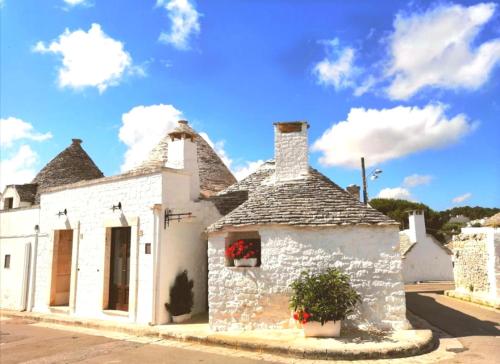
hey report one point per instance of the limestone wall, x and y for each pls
(257, 298)
(475, 258)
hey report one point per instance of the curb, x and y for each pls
(426, 341)
(471, 298)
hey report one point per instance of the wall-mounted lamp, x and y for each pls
(63, 212)
(117, 207)
(37, 229)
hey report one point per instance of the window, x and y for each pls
(6, 262)
(249, 247)
(8, 203)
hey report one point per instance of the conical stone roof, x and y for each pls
(72, 165)
(214, 175)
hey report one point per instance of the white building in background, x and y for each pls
(300, 220)
(424, 258)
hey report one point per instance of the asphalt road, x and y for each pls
(477, 328)
(24, 342)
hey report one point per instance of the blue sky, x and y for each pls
(412, 86)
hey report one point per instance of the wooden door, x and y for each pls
(119, 268)
(61, 268)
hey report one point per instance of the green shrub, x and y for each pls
(181, 295)
(323, 297)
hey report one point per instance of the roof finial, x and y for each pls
(76, 141)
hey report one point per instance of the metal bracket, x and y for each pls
(116, 207)
(169, 216)
(64, 212)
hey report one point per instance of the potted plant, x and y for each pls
(321, 301)
(181, 298)
(243, 253)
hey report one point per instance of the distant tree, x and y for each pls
(472, 213)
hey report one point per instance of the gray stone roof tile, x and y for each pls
(311, 201)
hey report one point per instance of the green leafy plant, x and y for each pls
(181, 295)
(323, 297)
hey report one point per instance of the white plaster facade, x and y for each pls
(291, 152)
(426, 259)
(17, 240)
(145, 197)
(257, 298)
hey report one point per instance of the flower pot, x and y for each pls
(181, 318)
(248, 262)
(315, 329)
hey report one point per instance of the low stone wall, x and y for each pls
(470, 256)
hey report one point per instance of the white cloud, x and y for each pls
(19, 168)
(142, 128)
(246, 169)
(13, 129)
(219, 149)
(396, 193)
(462, 198)
(417, 180)
(75, 2)
(337, 68)
(437, 48)
(385, 134)
(90, 59)
(185, 22)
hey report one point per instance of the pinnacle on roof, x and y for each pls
(183, 130)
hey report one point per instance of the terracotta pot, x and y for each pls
(328, 329)
(248, 262)
(181, 318)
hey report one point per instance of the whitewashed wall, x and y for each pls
(426, 261)
(184, 243)
(254, 298)
(89, 208)
(16, 230)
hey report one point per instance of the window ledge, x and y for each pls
(115, 313)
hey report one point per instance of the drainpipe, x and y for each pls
(156, 251)
(31, 295)
(25, 279)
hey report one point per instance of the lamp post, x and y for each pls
(373, 176)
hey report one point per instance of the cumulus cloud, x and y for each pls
(185, 22)
(90, 59)
(142, 128)
(76, 2)
(438, 48)
(18, 168)
(13, 129)
(462, 198)
(247, 168)
(416, 180)
(386, 134)
(396, 193)
(337, 68)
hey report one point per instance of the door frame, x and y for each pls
(133, 223)
(64, 223)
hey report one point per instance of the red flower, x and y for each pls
(240, 249)
(296, 316)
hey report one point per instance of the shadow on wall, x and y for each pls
(454, 322)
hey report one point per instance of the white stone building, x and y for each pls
(424, 258)
(110, 247)
(302, 221)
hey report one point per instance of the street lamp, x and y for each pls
(373, 176)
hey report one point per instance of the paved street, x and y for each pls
(476, 327)
(23, 341)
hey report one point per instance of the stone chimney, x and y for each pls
(291, 150)
(417, 226)
(354, 190)
(182, 154)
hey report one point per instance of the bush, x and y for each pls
(323, 297)
(181, 295)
